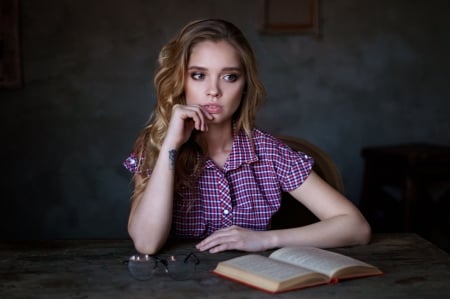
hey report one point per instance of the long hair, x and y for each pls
(169, 83)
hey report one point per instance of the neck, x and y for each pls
(219, 138)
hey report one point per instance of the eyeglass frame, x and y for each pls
(164, 261)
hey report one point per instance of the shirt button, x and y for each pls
(226, 212)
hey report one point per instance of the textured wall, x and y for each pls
(378, 75)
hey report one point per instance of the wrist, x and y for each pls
(169, 154)
(169, 145)
(271, 239)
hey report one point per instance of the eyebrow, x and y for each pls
(236, 69)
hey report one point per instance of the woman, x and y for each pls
(202, 170)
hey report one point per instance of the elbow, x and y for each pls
(145, 247)
(363, 233)
(145, 244)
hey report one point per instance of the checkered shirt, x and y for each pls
(245, 192)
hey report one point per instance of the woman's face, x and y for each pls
(215, 80)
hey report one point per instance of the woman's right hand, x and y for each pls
(186, 118)
(151, 212)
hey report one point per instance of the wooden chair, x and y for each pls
(292, 213)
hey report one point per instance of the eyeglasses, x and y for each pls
(178, 267)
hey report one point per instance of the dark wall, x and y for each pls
(379, 74)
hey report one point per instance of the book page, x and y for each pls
(316, 259)
(269, 268)
(267, 274)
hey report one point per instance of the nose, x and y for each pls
(213, 92)
(213, 89)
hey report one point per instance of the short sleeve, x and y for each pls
(293, 167)
(132, 163)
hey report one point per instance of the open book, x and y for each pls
(293, 268)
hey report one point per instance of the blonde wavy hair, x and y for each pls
(169, 84)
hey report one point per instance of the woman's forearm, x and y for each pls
(151, 213)
(338, 231)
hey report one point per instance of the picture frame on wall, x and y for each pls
(10, 55)
(291, 16)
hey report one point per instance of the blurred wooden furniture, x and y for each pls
(407, 188)
(292, 213)
(413, 267)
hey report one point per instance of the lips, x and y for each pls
(213, 109)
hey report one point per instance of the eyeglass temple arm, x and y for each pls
(191, 254)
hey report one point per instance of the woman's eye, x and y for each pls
(231, 77)
(197, 76)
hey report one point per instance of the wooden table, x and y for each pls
(414, 268)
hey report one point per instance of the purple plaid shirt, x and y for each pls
(245, 192)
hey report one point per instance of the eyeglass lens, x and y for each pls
(142, 266)
(181, 267)
(178, 267)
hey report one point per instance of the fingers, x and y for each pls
(221, 240)
(185, 119)
(195, 113)
(236, 238)
(216, 245)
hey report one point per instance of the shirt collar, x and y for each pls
(242, 152)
